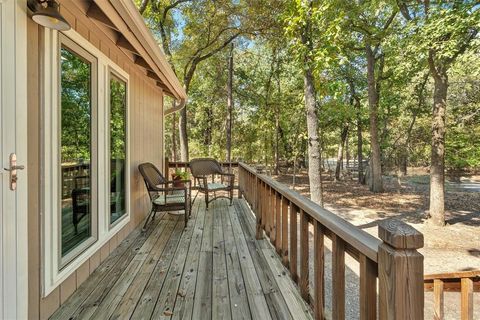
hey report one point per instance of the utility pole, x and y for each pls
(229, 104)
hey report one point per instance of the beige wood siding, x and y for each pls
(146, 144)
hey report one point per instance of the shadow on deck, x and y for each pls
(214, 269)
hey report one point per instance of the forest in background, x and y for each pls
(287, 83)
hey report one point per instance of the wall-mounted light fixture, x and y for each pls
(47, 13)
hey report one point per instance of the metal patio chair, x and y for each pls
(163, 196)
(203, 168)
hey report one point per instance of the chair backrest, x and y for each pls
(151, 175)
(204, 167)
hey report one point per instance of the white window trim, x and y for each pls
(53, 273)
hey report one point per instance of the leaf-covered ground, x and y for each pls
(450, 248)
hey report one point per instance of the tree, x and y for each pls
(303, 29)
(444, 32)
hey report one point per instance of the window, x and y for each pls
(85, 154)
(77, 163)
(118, 147)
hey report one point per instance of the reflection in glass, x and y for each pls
(75, 141)
(118, 151)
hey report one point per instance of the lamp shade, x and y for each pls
(50, 16)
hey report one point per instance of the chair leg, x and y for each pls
(231, 197)
(206, 200)
(148, 218)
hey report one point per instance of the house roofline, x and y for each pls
(132, 26)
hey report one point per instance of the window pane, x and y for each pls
(75, 141)
(118, 151)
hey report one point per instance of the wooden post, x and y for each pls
(166, 165)
(400, 271)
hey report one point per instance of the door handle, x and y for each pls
(13, 171)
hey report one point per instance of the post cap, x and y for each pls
(400, 235)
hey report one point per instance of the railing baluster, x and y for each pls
(260, 217)
(278, 223)
(368, 288)
(467, 298)
(438, 299)
(285, 205)
(268, 224)
(264, 205)
(319, 265)
(338, 278)
(273, 221)
(271, 212)
(304, 255)
(293, 242)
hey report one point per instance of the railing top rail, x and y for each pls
(453, 275)
(183, 164)
(358, 239)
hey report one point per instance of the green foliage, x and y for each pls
(270, 58)
(76, 108)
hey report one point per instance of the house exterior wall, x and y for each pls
(146, 144)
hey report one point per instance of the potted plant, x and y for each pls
(178, 176)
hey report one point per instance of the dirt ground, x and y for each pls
(455, 247)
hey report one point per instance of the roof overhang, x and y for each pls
(134, 36)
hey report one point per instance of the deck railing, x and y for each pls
(393, 261)
(465, 282)
(171, 166)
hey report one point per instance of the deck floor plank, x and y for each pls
(213, 269)
(185, 298)
(238, 295)
(221, 306)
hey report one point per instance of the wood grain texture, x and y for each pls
(399, 235)
(467, 299)
(285, 209)
(338, 278)
(319, 270)
(278, 223)
(356, 238)
(293, 242)
(304, 256)
(214, 269)
(400, 274)
(368, 288)
(438, 299)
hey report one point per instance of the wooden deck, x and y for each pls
(214, 269)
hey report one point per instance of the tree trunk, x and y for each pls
(341, 145)
(437, 166)
(376, 184)
(314, 157)
(183, 135)
(229, 105)
(277, 142)
(361, 180)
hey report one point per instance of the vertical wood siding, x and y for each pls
(146, 144)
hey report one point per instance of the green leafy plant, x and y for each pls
(181, 175)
